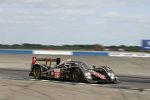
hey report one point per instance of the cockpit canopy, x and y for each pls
(73, 63)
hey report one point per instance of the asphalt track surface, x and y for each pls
(15, 83)
(126, 82)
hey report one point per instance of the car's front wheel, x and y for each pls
(76, 75)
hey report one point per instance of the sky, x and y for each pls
(61, 22)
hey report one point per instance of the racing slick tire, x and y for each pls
(76, 75)
(37, 72)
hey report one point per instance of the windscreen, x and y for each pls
(82, 64)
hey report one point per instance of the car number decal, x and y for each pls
(56, 73)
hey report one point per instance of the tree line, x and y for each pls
(94, 47)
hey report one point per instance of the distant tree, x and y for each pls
(98, 47)
(15, 45)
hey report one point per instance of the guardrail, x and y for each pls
(16, 52)
(89, 53)
(76, 53)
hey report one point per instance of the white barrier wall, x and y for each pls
(50, 52)
(128, 54)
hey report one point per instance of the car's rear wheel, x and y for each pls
(76, 75)
(37, 72)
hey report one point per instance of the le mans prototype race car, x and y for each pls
(71, 70)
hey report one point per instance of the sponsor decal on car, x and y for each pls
(99, 75)
(52, 73)
(57, 73)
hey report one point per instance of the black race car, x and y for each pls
(71, 70)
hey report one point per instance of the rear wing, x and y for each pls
(47, 60)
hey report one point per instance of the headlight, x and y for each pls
(111, 75)
(88, 75)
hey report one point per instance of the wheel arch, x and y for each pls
(73, 68)
(43, 68)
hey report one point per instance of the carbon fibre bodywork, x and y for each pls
(71, 70)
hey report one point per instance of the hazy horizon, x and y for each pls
(61, 22)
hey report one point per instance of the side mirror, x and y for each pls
(68, 65)
(94, 67)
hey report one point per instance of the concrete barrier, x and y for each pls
(16, 52)
(128, 54)
(76, 53)
(52, 52)
(89, 53)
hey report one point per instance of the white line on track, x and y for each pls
(81, 83)
(94, 84)
(32, 79)
(44, 80)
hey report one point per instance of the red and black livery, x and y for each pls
(71, 70)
